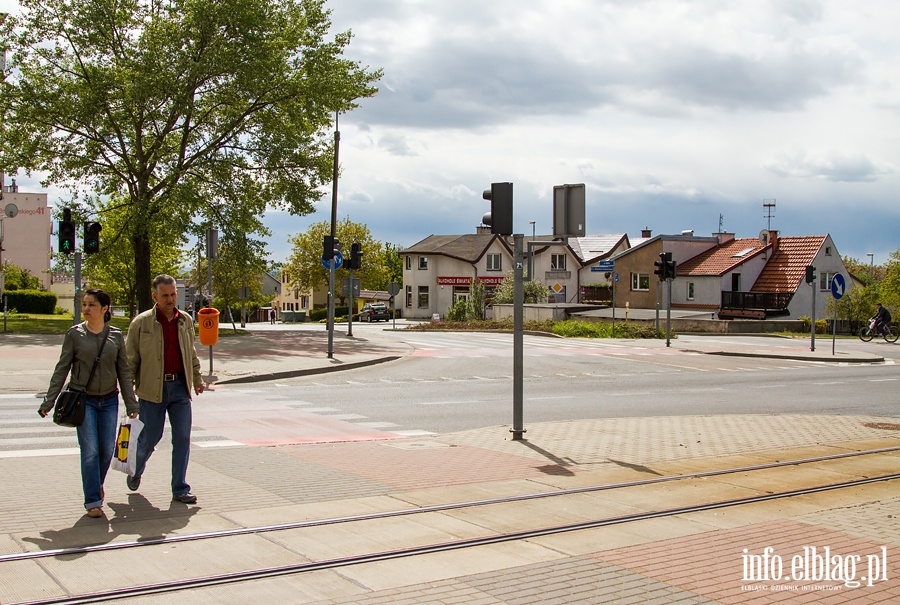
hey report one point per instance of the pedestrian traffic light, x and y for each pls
(810, 274)
(67, 233)
(92, 237)
(500, 218)
(355, 255)
(660, 265)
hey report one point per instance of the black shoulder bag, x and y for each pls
(69, 408)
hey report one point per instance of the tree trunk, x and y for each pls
(143, 279)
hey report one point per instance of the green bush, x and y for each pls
(587, 329)
(821, 324)
(321, 315)
(31, 301)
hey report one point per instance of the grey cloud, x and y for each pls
(396, 145)
(831, 166)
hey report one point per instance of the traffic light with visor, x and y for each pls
(670, 268)
(660, 265)
(500, 218)
(810, 274)
(92, 237)
(66, 233)
(355, 255)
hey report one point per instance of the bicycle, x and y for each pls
(868, 333)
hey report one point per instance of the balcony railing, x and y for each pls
(773, 303)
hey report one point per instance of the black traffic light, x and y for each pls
(355, 255)
(670, 268)
(500, 218)
(328, 247)
(92, 237)
(810, 274)
(67, 233)
(660, 265)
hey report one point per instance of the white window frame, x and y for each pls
(557, 262)
(409, 296)
(424, 291)
(825, 279)
(636, 279)
(423, 263)
(690, 290)
(494, 262)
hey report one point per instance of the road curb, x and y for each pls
(306, 372)
(831, 359)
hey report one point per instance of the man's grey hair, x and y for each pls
(162, 279)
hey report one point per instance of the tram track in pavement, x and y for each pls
(862, 478)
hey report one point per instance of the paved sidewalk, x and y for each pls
(696, 558)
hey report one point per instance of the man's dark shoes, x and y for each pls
(133, 482)
(187, 498)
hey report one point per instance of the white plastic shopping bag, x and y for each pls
(125, 458)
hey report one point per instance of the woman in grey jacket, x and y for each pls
(97, 434)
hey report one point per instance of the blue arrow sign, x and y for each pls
(338, 260)
(838, 286)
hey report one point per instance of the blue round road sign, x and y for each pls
(837, 286)
(338, 260)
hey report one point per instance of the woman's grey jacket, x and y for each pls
(79, 351)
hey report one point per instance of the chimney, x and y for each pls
(724, 237)
(646, 233)
(483, 229)
(773, 239)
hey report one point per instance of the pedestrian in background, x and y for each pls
(97, 434)
(164, 362)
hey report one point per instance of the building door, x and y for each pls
(735, 282)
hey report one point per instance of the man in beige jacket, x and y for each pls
(165, 366)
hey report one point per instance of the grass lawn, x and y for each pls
(22, 323)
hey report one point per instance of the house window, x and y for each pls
(423, 262)
(827, 250)
(494, 262)
(423, 297)
(409, 262)
(825, 280)
(690, 290)
(640, 281)
(304, 302)
(557, 262)
(408, 295)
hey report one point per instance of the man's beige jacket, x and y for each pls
(144, 347)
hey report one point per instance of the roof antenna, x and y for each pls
(721, 222)
(769, 209)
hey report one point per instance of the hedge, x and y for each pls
(31, 301)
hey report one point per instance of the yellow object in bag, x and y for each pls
(122, 442)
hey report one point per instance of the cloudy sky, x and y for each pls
(671, 112)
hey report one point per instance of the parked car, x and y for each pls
(374, 312)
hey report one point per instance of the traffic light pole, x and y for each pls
(350, 308)
(518, 429)
(76, 299)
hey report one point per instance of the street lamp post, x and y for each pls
(871, 256)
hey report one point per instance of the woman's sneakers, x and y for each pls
(95, 513)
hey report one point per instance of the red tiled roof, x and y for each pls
(787, 267)
(722, 259)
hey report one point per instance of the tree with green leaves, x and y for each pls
(152, 100)
(17, 278)
(890, 285)
(535, 291)
(113, 267)
(305, 264)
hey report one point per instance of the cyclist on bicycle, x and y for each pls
(882, 318)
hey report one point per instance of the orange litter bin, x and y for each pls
(208, 318)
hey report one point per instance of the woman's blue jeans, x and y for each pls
(97, 440)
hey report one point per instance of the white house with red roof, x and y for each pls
(760, 277)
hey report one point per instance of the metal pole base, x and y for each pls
(518, 434)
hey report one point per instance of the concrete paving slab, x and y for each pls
(431, 568)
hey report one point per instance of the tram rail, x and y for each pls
(494, 538)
